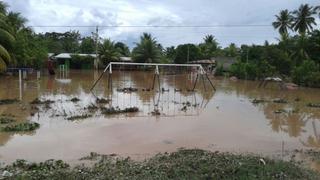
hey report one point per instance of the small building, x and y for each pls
(207, 64)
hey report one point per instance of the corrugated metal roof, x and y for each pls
(203, 61)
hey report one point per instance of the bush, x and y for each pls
(307, 74)
(81, 62)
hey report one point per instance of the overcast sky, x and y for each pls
(165, 12)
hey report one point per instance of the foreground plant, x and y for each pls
(183, 164)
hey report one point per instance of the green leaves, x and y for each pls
(147, 50)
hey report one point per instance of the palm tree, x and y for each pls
(303, 19)
(147, 50)
(317, 10)
(107, 52)
(283, 22)
(16, 21)
(6, 39)
(209, 47)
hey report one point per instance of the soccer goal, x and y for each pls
(196, 69)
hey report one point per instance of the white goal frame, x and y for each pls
(200, 70)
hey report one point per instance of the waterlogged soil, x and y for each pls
(239, 117)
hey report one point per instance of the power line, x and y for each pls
(154, 26)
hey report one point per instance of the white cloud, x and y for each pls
(166, 12)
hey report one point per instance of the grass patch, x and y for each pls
(280, 101)
(183, 164)
(26, 126)
(8, 101)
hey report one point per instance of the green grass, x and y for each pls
(26, 126)
(183, 164)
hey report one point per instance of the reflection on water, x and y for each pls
(225, 119)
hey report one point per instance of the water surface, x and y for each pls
(224, 120)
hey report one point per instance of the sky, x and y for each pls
(220, 15)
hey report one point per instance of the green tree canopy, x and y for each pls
(186, 53)
(147, 50)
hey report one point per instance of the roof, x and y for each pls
(203, 61)
(125, 59)
(68, 55)
(50, 54)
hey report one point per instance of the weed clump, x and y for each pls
(280, 101)
(102, 101)
(75, 99)
(258, 101)
(8, 101)
(127, 90)
(26, 126)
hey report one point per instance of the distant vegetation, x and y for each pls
(295, 57)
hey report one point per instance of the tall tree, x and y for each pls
(186, 53)
(303, 19)
(87, 45)
(107, 52)
(209, 47)
(147, 50)
(6, 39)
(283, 22)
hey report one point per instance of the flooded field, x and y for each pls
(238, 117)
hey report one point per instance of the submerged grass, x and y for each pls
(38, 101)
(183, 164)
(6, 120)
(78, 117)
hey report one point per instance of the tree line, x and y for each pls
(296, 55)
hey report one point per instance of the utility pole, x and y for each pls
(96, 61)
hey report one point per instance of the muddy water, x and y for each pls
(225, 120)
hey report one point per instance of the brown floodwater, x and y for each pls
(224, 120)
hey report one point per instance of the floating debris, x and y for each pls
(127, 90)
(314, 105)
(38, 101)
(8, 101)
(117, 110)
(27, 126)
(102, 101)
(281, 101)
(258, 101)
(297, 99)
(84, 116)
(177, 90)
(6, 120)
(75, 99)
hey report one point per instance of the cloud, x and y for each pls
(165, 13)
